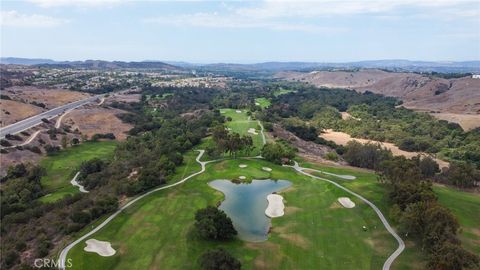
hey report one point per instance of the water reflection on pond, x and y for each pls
(245, 204)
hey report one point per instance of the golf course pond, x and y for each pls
(245, 204)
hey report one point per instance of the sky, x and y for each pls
(241, 31)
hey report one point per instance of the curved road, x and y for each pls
(63, 255)
(401, 244)
(37, 119)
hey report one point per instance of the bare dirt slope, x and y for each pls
(420, 92)
(466, 121)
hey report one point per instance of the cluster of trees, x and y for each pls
(212, 223)
(278, 153)
(421, 217)
(98, 136)
(154, 150)
(229, 142)
(373, 117)
(368, 155)
(460, 174)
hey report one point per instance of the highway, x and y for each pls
(37, 119)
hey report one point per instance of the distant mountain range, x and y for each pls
(89, 64)
(394, 65)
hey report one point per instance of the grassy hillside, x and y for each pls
(61, 167)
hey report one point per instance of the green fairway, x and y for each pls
(241, 123)
(282, 92)
(315, 233)
(61, 167)
(367, 185)
(262, 102)
(466, 207)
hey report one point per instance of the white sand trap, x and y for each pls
(256, 103)
(275, 206)
(102, 248)
(238, 111)
(242, 177)
(267, 169)
(252, 131)
(346, 202)
(242, 165)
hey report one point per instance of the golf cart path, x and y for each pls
(264, 140)
(63, 255)
(342, 176)
(401, 244)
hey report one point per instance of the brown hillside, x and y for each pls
(419, 92)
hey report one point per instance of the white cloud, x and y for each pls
(15, 19)
(304, 15)
(276, 8)
(214, 20)
(77, 3)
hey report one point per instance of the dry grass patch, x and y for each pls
(14, 111)
(98, 120)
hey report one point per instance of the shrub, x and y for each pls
(331, 156)
(51, 149)
(5, 143)
(219, 259)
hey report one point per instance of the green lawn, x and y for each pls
(466, 207)
(263, 102)
(61, 167)
(282, 92)
(241, 123)
(315, 233)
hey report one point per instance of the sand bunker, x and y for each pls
(102, 248)
(346, 202)
(242, 177)
(256, 103)
(238, 111)
(252, 131)
(242, 165)
(267, 169)
(275, 206)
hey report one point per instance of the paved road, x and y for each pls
(37, 119)
(401, 244)
(63, 255)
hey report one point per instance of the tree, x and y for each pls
(219, 259)
(212, 223)
(450, 256)
(462, 175)
(75, 141)
(16, 171)
(367, 155)
(275, 152)
(64, 142)
(427, 166)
